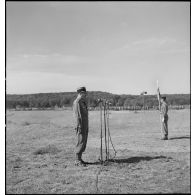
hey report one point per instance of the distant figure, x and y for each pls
(164, 115)
(81, 124)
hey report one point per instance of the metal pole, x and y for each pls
(101, 157)
(105, 128)
(159, 106)
(108, 126)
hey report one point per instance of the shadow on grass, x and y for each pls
(182, 137)
(93, 163)
(137, 159)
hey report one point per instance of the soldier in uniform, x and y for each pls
(164, 115)
(81, 124)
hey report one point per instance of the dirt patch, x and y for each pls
(25, 123)
(50, 149)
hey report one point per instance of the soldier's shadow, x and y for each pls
(134, 159)
(182, 137)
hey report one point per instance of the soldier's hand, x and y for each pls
(78, 129)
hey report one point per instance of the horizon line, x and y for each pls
(89, 92)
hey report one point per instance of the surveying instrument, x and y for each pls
(105, 131)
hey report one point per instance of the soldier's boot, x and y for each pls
(79, 161)
(80, 158)
(164, 137)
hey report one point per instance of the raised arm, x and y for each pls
(158, 94)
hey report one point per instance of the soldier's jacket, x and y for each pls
(164, 109)
(80, 111)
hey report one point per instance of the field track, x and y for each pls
(40, 154)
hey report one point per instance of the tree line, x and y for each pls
(65, 99)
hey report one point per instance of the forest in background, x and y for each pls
(65, 99)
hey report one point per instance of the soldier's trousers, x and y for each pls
(165, 127)
(82, 135)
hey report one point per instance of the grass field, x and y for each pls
(40, 154)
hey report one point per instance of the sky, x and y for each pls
(116, 47)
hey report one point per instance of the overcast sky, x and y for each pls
(117, 47)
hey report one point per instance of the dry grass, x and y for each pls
(40, 154)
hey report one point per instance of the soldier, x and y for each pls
(81, 127)
(164, 115)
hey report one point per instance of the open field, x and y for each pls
(40, 154)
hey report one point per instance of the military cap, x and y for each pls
(81, 89)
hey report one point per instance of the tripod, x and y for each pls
(104, 129)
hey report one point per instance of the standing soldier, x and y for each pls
(81, 127)
(164, 115)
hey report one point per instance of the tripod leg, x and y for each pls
(101, 157)
(105, 131)
(107, 119)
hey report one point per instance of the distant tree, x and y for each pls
(128, 102)
(115, 99)
(65, 101)
(52, 102)
(121, 101)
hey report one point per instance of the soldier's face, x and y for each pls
(84, 94)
